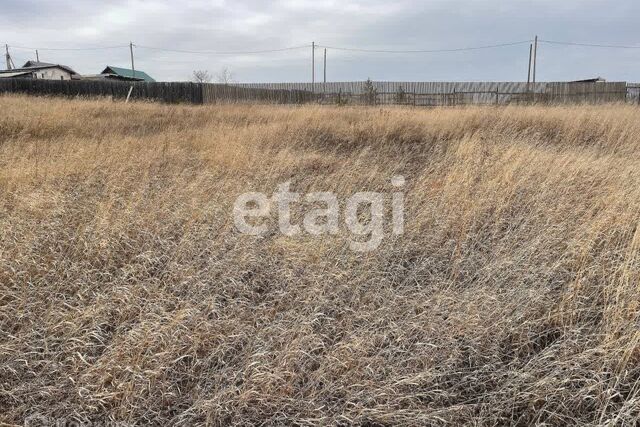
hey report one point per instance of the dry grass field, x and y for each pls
(127, 293)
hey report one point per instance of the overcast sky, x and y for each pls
(219, 25)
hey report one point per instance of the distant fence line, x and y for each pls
(455, 93)
(221, 93)
(340, 93)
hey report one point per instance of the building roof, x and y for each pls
(128, 73)
(6, 74)
(30, 64)
(94, 76)
(593, 80)
(34, 65)
(109, 76)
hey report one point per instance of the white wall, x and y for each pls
(52, 73)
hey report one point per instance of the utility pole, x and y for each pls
(325, 65)
(313, 62)
(37, 57)
(133, 68)
(529, 71)
(7, 56)
(535, 59)
(535, 63)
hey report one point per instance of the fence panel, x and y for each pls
(633, 93)
(341, 93)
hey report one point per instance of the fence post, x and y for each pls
(129, 94)
(414, 98)
(497, 95)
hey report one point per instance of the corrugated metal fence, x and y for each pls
(340, 93)
(455, 93)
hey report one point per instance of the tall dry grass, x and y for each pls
(127, 294)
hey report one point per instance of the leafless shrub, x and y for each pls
(225, 76)
(201, 76)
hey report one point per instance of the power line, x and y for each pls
(213, 52)
(607, 46)
(243, 52)
(340, 48)
(68, 48)
(425, 50)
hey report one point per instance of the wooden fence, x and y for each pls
(220, 94)
(339, 93)
(165, 92)
(633, 93)
(455, 93)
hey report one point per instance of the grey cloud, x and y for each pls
(256, 25)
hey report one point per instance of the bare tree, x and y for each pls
(201, 76)
(225, 76)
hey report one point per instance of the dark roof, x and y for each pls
(30, 64)
(128, 73)
(594, 80)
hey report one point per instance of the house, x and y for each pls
(117, 73)
(40, 70)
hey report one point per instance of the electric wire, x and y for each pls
(462, 49)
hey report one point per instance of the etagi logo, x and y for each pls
(325, 220)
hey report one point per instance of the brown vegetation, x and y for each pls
(127, 294)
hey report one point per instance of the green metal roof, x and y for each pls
(128, 73)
